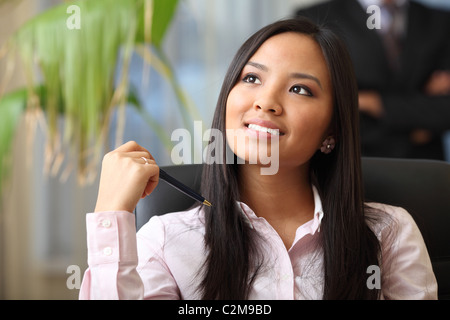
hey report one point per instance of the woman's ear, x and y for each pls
(329, 140)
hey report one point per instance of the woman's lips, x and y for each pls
(264, 127)
(258, 128)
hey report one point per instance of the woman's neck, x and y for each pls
(286, 196)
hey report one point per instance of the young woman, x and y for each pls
(303, 232)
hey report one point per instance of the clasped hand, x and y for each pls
(126, 178)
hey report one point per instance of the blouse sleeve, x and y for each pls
(406, 272)
(122, 265)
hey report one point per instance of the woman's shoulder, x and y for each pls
(393, 224)
(406, 265)
(381, 217)
(378, 208)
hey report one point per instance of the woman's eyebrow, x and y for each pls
(258, 66)
(299, 75)
(296, 75)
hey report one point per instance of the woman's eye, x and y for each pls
(251, 79)
(301, 90)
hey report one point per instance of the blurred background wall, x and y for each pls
(42, 226)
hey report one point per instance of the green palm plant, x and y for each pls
(71, 68)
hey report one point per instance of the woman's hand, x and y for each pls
(126, 177)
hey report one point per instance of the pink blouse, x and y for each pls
(162, 261)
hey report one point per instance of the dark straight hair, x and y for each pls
(349, 246)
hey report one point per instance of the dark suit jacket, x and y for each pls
(426, 49)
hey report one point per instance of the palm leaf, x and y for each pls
(11, 108)
(160, 13)
(78, 67)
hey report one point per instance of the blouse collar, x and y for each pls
(250, 215)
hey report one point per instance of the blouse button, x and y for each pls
(106, 223)
(107, 251)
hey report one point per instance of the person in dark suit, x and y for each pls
(404, 94)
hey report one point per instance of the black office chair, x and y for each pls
(420, 186)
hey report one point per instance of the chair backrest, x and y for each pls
(420, 186)
(165, 198)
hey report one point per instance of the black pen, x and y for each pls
(181, 187)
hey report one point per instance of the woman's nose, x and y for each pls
(269, 103)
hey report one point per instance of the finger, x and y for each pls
(145, 161)
(133, 149)
(153, 173)
(139, 155)
(131, 146)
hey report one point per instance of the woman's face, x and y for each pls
(284, 86)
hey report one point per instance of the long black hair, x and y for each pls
(349, 245)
